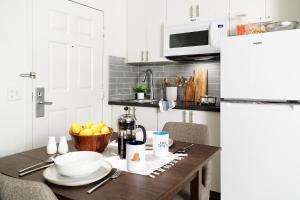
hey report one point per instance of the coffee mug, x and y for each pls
(135, 156)
(160, 142)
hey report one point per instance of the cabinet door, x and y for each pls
(246, 12)
(155, 26)
(205, 9)
(171, 116)
(136, 31)
(180, 11)
(212, 120)
(283, 10)
(146, 117)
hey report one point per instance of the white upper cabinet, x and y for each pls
(180, 11)
(282, 10)
(146, 19)
(136, 31)
(156, 18)
(186, 11)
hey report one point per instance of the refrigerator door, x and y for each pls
(262, 66)
(260, 156)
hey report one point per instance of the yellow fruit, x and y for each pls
(96, 128)
(76, 128)
(98, 133)
(101, 125)
(88, 125)
(86, 132)
(105, 130)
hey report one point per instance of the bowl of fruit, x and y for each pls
(90, 136)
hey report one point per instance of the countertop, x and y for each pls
(179, 105)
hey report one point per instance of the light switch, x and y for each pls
(14, 94)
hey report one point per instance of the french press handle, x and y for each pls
(144, 133)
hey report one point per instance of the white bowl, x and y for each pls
(78, 164)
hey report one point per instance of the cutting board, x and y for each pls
(189, 90)
(200, 81)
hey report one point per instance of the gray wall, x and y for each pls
(123, 77)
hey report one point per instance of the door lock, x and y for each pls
(40, 102)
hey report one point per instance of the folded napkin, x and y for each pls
(166, 105)
(152, 162)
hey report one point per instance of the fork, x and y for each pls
(114, 176)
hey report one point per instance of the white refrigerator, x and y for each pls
(260, 117)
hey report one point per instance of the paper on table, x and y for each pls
(152, 162)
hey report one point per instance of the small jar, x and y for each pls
(51, 146)
(63, 145)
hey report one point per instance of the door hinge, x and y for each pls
(31, 75)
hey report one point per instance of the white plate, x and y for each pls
(139, 136)
(51, 175)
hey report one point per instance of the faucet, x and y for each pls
(149, 71)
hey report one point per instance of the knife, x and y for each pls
(36, 169)
(184, 149)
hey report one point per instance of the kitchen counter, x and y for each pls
(179, 105)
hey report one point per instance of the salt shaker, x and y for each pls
(51, 146)
(63, 145)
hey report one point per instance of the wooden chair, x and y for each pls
(197, 134)
(17, 189)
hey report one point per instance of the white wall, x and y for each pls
(14, 59)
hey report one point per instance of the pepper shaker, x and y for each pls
(63, 145)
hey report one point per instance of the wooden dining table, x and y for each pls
(128, 185)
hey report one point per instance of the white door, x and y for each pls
(67, 57)
(180, 11)
(260, 151)
(136, 31)
(155, 30)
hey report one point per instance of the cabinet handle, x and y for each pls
(197, 10)
(183, 116)
(147, 56)
(142, 56)
(191, 12)
(191, 117)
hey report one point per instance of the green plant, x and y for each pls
(140, 89)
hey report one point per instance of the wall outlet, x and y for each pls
(14, 94)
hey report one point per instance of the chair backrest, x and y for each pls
(14, 189)
(197, 134)
(188, 132)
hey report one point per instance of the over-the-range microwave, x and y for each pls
(195, 41)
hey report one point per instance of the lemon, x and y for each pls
(75, 128)
(101, 125)
(86, 132)
(88, 125)
(98, 133)
(96, 128)
(105, 130)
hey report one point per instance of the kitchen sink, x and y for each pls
(151, 101)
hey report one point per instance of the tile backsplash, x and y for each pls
(123, 77)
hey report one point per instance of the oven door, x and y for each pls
(190, 39)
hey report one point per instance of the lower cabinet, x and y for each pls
(153, 119)
(146, 117)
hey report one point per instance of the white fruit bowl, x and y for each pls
(78, 164)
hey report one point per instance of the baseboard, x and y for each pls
(215, 195)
